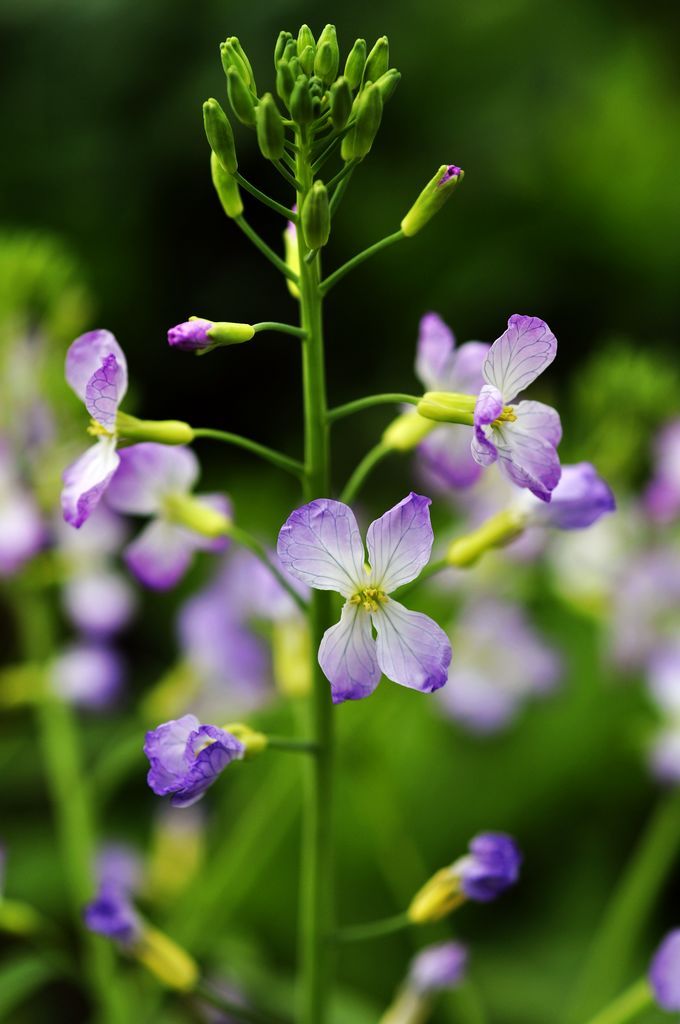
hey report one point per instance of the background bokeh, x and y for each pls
(566, 119)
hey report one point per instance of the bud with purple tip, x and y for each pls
(432, 198)
(199, 334)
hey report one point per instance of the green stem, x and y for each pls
(260, 244)
(339, 192)
(252, 544)
(276, 458)
(338, 274)
(627, 1007)
(343, 173)
(293, 745)
(293, 182)
(316, 894)
(273, 325)
(610, 954)
(365, 403)
(370, 459)
(233, 1009)
(374, 929)
(271, 203)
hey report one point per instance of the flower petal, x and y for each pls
(320, 543)
(86, 480)
(537, 418)
(87, 354)
(347, 656)
(412, 649)
(148, 472)
(400, 543)
(528, 459)
(105, 391)
(446, 458)
(160, 555)
(88, 675)
(436, 344)
(516, 359)
(99, 603)
(465, 368)
(488, 407)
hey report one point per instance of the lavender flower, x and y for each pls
(96, 369)
(491, 866)
(662, 498)
(187, 757)
(523, 437)
(321, 545)
(22, 533)
(664, 973)
(88, 675)
(151, 480)
(646, 607)
(664, 755)
(112, 914)
(192, 335)
(438, 967)
(663, 676)
(580, 498)
(120, 866)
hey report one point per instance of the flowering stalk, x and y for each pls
(628, 1006)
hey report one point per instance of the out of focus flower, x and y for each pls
(88, 675)
(120, 866)
(588, 566)
(580, 498)
(646, 607)
(662, 498)
(177, 851)
(156, 480)
(187, 757)
(500, 662)
(22, 533)
(438, 967)
(664, 973)
(320, 544)
(523, 437)
(664, 755)
(111, 913)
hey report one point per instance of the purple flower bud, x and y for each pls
(112, 914)
(438, 967)
(664, 972)
(190, 335)
(119, 866)
(187, 757)
(491, 866)
(579, 500)
(451, 172)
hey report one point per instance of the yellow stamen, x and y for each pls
(507, 416)
(97, 430)
(370, 598)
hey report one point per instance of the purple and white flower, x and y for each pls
(523, 437)
(580, 498)
(96, 369)
(320, 544)
(187, 757)
(438, 967)
(664, 973)
(662, 498)
(22, 533)
(490, 867)
(88, 675)
(149, 477)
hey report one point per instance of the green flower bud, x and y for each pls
(129, 428)
(387, 83)
(306, 59)
(241, 98)
(295, 68)
(378, 60)
(290, 51)
(270, 130)
(220, 135)
(279, 49)
(223, 332)
(432, 198)
(305, 38)
(354, 66)
(341, 103)
(327, 58)
(316, 217)
(495, 532)
(447, 407)
(239, 53)
(285, 80)
(226, 188)
(301, 109)
(368, 108)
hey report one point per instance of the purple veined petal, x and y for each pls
(400, 543)
(186, 757)
(464, 372)
(579, 500)
(99, 603)
(86, 355)
(148, 473)
(22, 533)
(664, 973)
(522, 352)
(160, 555)
(347, 655)
(537, 418)
(86, 480)
(190, 335)
(218, 503)
(165, 747)
(412, 649)
(105, 391)
(436, 344)
(528, 459)
(321, 545)
(446, 458)
(483, 450)
(489, 406)
(88, 675)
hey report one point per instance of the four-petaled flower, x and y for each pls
(187, 757)
(522, 437)
(321, 545)
(96, 369)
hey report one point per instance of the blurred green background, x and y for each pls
(566, 119)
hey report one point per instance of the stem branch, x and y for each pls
(365, 403)
(338, 274)
(276, 458)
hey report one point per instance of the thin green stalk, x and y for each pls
(628, 1006)
(273, 325)
(365, 403)
(370, 459)
(276, 458)
(342, 174)
(252, 544)
(294, 746)
(357, 260)
(339, 192)
(610, 955)
(267, 200)
(373, 929)
(260, 244)
(292, 181)
(243, 1013)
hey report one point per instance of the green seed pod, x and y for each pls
(354, 66)
(305, 38)
(341, 103)
(285, 81)
(279, 49)
(301, 108)
(387, 83)
(327, 58)
(358, 141)
(270, 130)
(226, 188)
(238, 50)
(378, 60)
(220, 136)
(316, 217)
(241, 98)
(306, 59)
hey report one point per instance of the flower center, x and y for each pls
(507, 416)
(97, 430)
(370, 598)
